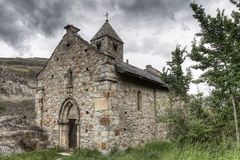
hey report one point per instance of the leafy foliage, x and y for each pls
(174, 75)
(216, 52)
(217, 55)
(201, 120)
(236, 2)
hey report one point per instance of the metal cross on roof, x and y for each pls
(107, 14)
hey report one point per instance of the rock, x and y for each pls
(19, 135)
(65, 153)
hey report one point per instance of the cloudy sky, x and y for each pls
(150, 29)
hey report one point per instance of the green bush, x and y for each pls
(200, 120)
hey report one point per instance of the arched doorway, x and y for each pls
(69, 126)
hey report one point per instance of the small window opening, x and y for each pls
(52, 76)
(86, 50)
(139, 100)
(70, 77)
(68, 44)
(115, 46)
(87, 112)
(87, 69)
(99, 45)
(86, 89)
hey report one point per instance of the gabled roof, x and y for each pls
(106, 30)
(83, 41)
(130, 70)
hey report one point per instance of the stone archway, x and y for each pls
(69, 125)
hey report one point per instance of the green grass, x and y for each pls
(23, 66)
(23, 61)
(50, 154)
(152, 151)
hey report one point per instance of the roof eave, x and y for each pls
(119, 70)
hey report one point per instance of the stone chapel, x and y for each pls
(88, 97)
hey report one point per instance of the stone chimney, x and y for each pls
(71, 28)
(152, 70)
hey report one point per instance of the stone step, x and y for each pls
(65, 153)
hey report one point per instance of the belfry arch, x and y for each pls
(69, 125)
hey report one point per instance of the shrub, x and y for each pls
(201, 121)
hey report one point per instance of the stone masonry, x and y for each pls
(87, 97)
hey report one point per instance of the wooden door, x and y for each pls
(72, 134)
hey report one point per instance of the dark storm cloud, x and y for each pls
(137, 10)
(20, 19)
(152, 9)
(156, 16)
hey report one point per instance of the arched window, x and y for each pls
(139, 101)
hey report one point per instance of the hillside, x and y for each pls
(17, 85)
(17, 91)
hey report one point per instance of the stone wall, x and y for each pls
(92, 72)
(132, 126)
(107, 46)
(106, 101)
(162, 103)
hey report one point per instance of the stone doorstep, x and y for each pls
(65, 153)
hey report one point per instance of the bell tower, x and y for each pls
(107, 40)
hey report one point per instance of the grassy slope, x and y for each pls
(20, 70)
(153, 151)
(36, 155)
(23, 66)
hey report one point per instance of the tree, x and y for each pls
(236, 2)
(217, 53)
(174, 76)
